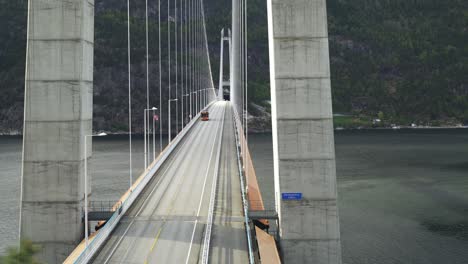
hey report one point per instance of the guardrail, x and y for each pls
(102, 206)
(245, 203)
(266, 205)
(209, 225)
(268, 212)
(101, 236)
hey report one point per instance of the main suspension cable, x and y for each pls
(176, 66)
(160, 79)
(182, 71)
(129, 93)
(147, 138)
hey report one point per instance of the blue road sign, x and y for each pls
(291, 196)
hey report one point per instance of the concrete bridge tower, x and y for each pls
(303, 142)
(58, 114)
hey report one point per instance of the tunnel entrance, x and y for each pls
(226, 97)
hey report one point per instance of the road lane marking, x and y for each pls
(156, 239)
(206, 243)
(146, 199)
(203, 191)
(171, 208)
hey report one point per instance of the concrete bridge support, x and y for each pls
(222, 83)
(303, 141)
(236, 63)
(58, 113)
(221, 67)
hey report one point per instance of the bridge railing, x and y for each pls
(103, 206)
(243, 182)
(98, 239)
(267, 205)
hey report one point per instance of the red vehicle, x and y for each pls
(205, 116)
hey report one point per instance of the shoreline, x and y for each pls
(402, 128)
(17, 133)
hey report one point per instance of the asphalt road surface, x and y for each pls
(167, 222)
(228, 240)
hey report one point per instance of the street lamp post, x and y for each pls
(199, 101)
(205, 97)
(169, 114)
(184, 95)
(154, 134)
(202, 96)
(86, 183)
(213, 94)
(195, 104)
(145, 134)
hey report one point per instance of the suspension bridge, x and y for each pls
(198, 199)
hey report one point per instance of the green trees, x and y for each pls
(23, 256)
(380, 115)
(406, 58)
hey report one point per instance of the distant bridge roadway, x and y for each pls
(167, 223)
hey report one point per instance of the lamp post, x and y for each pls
(86, 183)
(154, 134)
(199, 100)
(205, 94)
(196, 104)
(213, 90)
(203, 98)
(145, 134)
(184, 95)
(169, 114)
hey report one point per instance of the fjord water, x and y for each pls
(403, 195)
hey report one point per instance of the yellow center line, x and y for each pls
(169, 212)
(156, 239)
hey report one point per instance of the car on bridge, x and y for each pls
(205, 116)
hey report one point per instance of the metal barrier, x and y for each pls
(102, 210)
(209, 224)
(98, 240)
(245, 203)
(100, 206)
(268, 211)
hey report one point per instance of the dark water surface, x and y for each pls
(403, 195)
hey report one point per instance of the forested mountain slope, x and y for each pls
(407, 59)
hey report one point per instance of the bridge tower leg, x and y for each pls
(221, 63)
(221, 67)
(57, 116)
(235, 64)
(303, 141)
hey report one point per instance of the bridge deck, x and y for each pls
(166, 223)
(229, 242)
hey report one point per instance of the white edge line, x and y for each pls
(274, 123)
(142, 207)
(201, 198)
(245, 204)
(101, 237)
(206, 244)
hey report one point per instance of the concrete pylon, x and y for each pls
(235, 64)
(58, 113)
(221, 63)
(303, 141)
(221, 67)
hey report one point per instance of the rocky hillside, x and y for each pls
(402, 60)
